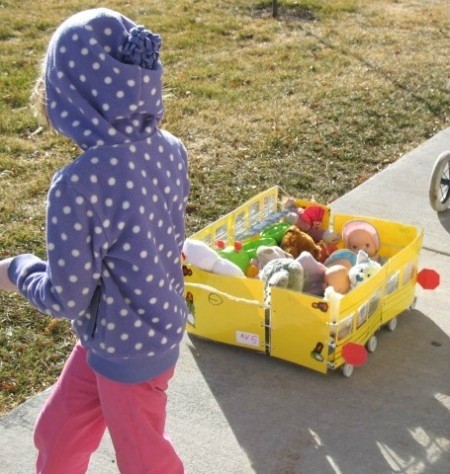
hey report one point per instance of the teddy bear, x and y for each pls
(282, 273)
(296, 241)
(365, 267)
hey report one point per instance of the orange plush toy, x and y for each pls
(296, 241)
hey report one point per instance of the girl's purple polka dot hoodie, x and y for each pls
(115, 216)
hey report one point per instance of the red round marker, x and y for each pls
(354, 354)
(428, 279)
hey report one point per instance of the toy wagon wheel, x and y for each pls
(392, 324)
(372, 344)
(347, 370)
(439, 193)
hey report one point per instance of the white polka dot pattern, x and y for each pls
(109, 101)
(115, 217)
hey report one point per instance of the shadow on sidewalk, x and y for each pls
(392, 415)
(444, 219)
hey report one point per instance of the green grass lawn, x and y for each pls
(316, 100)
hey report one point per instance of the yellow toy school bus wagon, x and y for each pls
(318, 332)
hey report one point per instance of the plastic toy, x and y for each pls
(439, 192)
(343, 257)
(364, 269)
(361, 235)
(337, 276)
(204, 257)
(252, 247)
(252, 271)
(296, 241)
(235, 254)
(276, 231)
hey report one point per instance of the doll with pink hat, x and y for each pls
(362, 235)
(357, 235)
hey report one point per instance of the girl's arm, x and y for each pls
(63, 285)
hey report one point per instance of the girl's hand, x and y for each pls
(5, 282)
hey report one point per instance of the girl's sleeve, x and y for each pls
(185, 187)
(63, 285)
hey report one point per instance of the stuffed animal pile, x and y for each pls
(296, 261)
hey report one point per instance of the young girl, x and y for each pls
(115, 230)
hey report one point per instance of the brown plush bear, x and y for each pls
(296, 241)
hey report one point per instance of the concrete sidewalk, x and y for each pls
(234, 411)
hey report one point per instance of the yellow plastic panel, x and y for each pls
(225, 309)
(360, 315)
(299, 329)
(243, 222)
(248, 220)
(399, 290)
(361, 295)
(394, 236)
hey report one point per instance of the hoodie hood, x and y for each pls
(103, 79)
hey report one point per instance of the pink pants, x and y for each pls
(83, 403)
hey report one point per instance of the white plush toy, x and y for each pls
(202, 256)
(364, 269)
